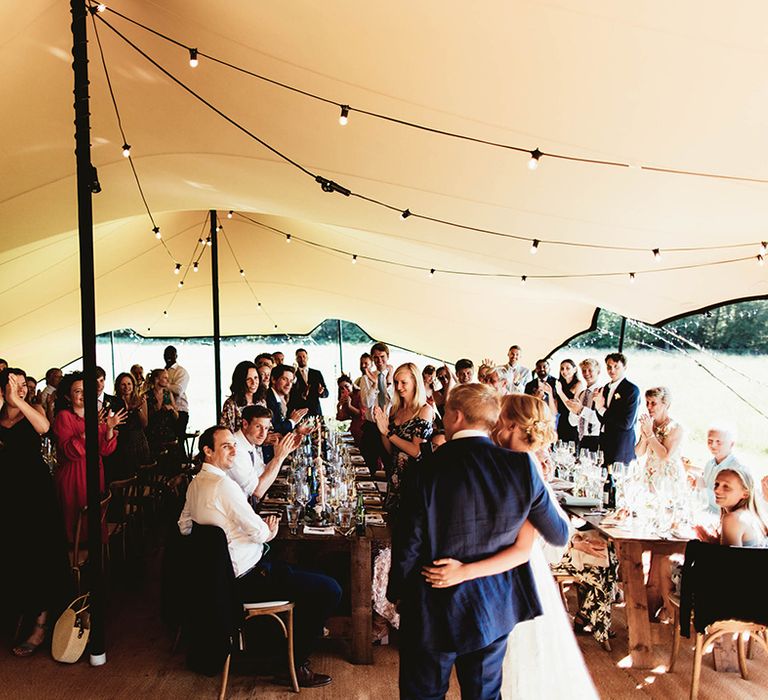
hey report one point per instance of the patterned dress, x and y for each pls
(668, 469)
(400, 461)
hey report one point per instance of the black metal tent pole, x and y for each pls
(216, 312)
(621, 333)
(341, 346)
(87, 184)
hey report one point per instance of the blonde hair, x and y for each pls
(420, 395)
(478, 402)
(661, 393)
(750, 502)
(590, 362)
(532, 416)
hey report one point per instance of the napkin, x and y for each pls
(309, 530)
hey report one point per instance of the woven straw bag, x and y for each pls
(70, 635)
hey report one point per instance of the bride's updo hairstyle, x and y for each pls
(533, 418)
(661, 393)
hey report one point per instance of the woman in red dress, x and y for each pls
(69, 429)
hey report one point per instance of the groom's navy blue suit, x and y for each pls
(467, 502)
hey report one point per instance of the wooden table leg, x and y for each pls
(361, 580)
(638, 624)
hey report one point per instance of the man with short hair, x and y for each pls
(465, 371)
(53, 378)
(309, 386)
(265, 357)
(214, 499)
(721, 439)
(469, 503)
(375, 390)
(543, 385)
(249, 470)
(365, 363)
(278, 357)
(3, 364)
(178, 380)
(104, 401)
(581, 413)
(616, 407)
(515, 375)
(281, 381)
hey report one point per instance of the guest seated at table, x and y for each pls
(283, 422)
(214, 499)
(741, 524)
(69, 429)
(721, 440)
(408, 425)
(245, 383)
(36, 580)
(132, 446)
(567, 387)
(349, 407)
(161, 413)
(256, 463)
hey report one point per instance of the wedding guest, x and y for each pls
(482, 372)
(350, 408)
(245, 384)
(137, 371)
(616, 407)
(493, 378)
(741, 524)
(3, 365)
(660, 440)
(36, 581)
(581, 412)
(408, 425)
(721, 440)
(104, 400)
(428, 377)
(465, 371)
(178, 380)
(214, 499)
(515, 376)
(543, 386)
(162, 430)
(264, 368)
(69, 429)
(33, 396)
(253, 470)
(365, 363)
(567, 387)
(309, 386)
(445, 378)
(278, 358)
(48, 394)
(132, 446)
(283, 421)
(375, 390)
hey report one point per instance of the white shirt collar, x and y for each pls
(213, 469)
(240, 435)
(469, 433)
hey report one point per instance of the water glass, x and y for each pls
(345, 515)
(292, 516)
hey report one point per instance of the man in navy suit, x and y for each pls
(616, 407)
(309, 386)
(468, 502)
(281, 381)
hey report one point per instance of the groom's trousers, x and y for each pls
(426, 675)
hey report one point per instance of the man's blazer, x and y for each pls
(617, 437)
(468, 503)
(299, 389)
(280, 423)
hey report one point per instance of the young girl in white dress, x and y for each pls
(543, 659)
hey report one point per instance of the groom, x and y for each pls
(470, 502)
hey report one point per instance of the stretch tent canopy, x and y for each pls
(652, 84)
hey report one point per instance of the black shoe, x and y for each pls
(306, 677)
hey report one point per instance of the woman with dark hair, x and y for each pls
(69, 429)
(132, 446)
(245, 384)
(349, 407)
(568, 386)
(37, 580)
(162, 415)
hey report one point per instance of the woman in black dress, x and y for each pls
(132, 446)
(37, 583)
(568, 386)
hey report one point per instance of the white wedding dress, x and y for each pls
(543, 659)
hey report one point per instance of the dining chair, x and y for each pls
(79, 555)
(125, 493)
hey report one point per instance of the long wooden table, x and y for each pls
(641, 600)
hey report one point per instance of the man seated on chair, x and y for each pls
(215, 499)
(256, 465)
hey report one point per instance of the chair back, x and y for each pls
(82, 517)
(126, 494)
(722, 583)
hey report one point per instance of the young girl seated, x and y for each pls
(741, 524)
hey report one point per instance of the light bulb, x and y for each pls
(242, 273)
(354, 259)
(126, 150)
(208, 242)
(763, 248)
(432, 273)
(760, 260)
(523, 279)
(177, 269)
(195, 266)
(193, 62)
(157, 233)
(534, 246)
(405, 214)
(288, 238)
(533, 163)
(229, 214)
(101, 7)
(344, 116)
(181, 283)
(656, 254)
(631, 277)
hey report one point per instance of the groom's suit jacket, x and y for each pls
(468, 502)
(617, 438)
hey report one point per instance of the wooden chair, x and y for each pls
(274, 609)
(125, 493)
(79, 555)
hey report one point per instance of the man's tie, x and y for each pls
(382, 397)
(586, 400)
(253, 458)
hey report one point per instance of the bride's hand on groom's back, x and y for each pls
(444, 573)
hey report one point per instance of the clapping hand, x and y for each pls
(297, 414)
(113, 419)
(273, 523)
(646, 425)
(705, 535)
(15, 382)
(444, 573)
(382, 423)
(287, 444)
(598, 400)
(272, 438)
(573, 405)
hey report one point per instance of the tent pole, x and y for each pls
(621, 333)
(216, 314)
(341, 354)
(87, 184)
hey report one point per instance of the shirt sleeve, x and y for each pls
(185, 521)
(180, 381)
(240, 513)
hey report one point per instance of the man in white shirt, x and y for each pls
(514, 373)
(215, 499)
(721, 440)
(248, 468)
(581, 413)
(178, 380)
(375, 390)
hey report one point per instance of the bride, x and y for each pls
(526, 425)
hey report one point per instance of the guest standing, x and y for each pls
(309, 386)
(36, 581)
(581, 412)
(69, 429)
(616, 407)
(245, 384)
(132, 446)
(178, 380)
(350, 408)
(568, 386)
(162, 414)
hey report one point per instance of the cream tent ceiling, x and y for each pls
(679, 85)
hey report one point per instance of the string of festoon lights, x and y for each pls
(535, 243)
(431, 272)
(203, 241)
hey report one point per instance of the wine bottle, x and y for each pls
(360, 514)
(609, 491)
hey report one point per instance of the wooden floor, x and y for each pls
(140, 665)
